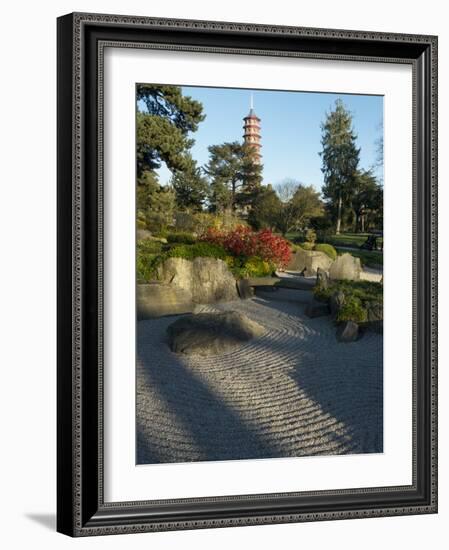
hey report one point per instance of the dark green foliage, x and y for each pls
(359, 296)
(155, 204)
(148, 246)
(197, 250)
(164, 119)
(340, 159)
(266, 209)
(352, 310)
(235, 176)
(181, 238)
(299, 203)
(367, 201)
(327, 249)
(190, 186)
(321, 224)
(147, 258)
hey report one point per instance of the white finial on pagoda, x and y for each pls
(252, 101)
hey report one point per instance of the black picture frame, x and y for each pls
(81, 510)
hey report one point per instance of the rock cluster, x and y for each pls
(311, 262)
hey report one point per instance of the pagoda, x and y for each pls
(251, 131)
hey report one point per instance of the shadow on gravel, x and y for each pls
(216, 430)
(343, 379)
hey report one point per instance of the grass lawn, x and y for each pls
(348, 239)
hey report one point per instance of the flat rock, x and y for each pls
(211, 333)
(316, 309)
(348, 332)
(157, 299)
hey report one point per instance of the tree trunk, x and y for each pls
(362, 223)
(337, 230)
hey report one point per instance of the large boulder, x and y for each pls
(205, 280)
(158, 299)
(308, 262)
(346, 267)
(211, 333)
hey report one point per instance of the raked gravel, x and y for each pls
(295, 391)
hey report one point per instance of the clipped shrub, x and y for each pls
(352, 310)
(141, 224)
(256, 267)
(328, 249)
(181, 237)
(197, 250)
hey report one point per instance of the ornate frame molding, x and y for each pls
(81, 42)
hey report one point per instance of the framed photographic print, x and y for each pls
(246, 274)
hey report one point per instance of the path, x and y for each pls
(295, 391)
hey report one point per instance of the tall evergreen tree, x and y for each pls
(155, 203)
(235, 175)
(340, 159)
(164, 119)
(190, 186)
(265, 208)
(365, 198)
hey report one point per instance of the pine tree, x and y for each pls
(340, 158)
(190, 186)
(155, 203)
(235, 175)
(164, 120)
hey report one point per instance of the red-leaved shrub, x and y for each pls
(243, 241)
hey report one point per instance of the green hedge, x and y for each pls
(181, 237)
(197, 250)
(328, 249)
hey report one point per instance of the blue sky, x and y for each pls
(290, 128)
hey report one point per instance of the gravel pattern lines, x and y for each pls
(295, 391)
